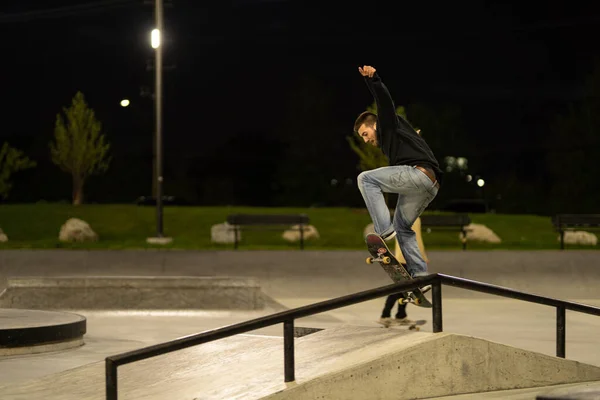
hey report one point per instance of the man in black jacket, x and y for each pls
(413, 172)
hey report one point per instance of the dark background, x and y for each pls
(261, 95)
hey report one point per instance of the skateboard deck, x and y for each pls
(382, 254)
(413, 326)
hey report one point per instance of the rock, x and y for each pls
(76, 230)
(224, 233)
(293, 234)
(580, 237)
(480, 233)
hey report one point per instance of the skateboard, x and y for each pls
(382, 254)
(414, 326)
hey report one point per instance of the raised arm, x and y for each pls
(386, 110)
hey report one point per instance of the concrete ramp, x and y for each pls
(424, 365)
(346, 362)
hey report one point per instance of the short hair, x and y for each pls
(368, 118)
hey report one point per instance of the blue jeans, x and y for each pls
(415, 191)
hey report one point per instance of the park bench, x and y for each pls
(454, 221)
(267, 222)
(563, 222)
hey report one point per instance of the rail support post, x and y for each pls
(288, 350)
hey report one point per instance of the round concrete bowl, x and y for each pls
(38, 331)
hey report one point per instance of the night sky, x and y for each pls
(252, 86)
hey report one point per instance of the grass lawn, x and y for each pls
(128, 226)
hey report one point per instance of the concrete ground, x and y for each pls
(297, 278)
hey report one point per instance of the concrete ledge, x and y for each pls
(572, 274)
(33, 331)
(129, 292)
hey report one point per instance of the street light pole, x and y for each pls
(158, 99)
(157, 44)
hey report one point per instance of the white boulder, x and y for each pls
(580, 237)
(293, 234)
(224, 233)
(480, 233)
(76, 230)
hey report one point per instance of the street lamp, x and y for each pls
(125, 103)
(155, 40)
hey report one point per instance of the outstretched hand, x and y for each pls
(367, 70)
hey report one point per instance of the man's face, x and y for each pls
(368, 134)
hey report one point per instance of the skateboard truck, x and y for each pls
(385, 260)
(381, 257)
(409, 298)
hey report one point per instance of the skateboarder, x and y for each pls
(401, 317)
(414, 172)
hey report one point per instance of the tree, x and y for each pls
(572, 152)
(80, 149)
(303, 177)
(443, 128)
(11, 161)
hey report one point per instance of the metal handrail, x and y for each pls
(287, 318)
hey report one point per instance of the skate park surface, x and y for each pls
(297, 278)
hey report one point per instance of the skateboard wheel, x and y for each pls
(386, 260)
(369, 260)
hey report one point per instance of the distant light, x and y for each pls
(469, 178)
(480, 182)
(155, 38)
(125, 103)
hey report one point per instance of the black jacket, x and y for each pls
(398, 140)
